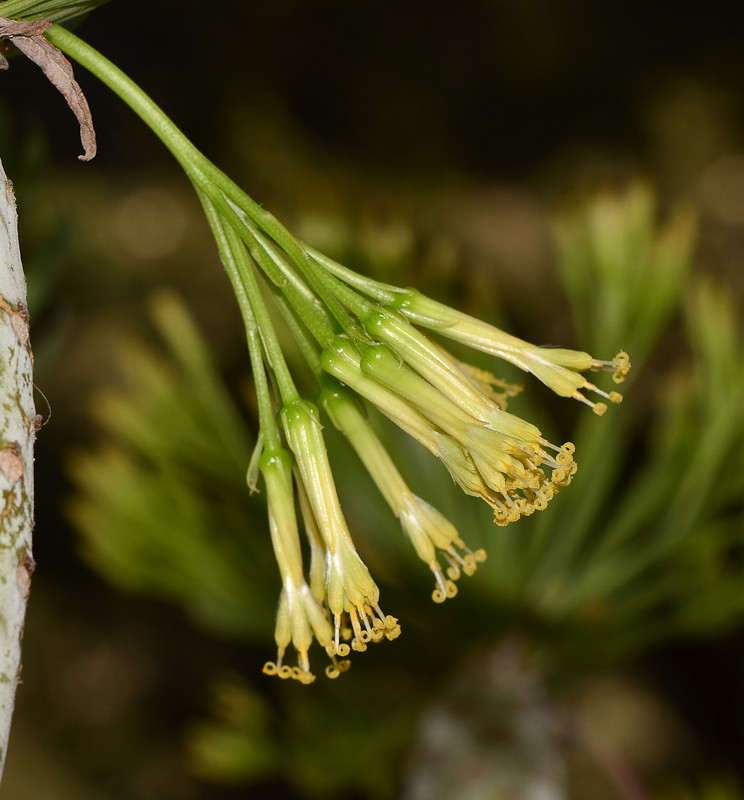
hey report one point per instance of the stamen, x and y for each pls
(358, 643)
(454, 570)
(597, 408)
(613, 397)
(620, 365)
(439, 595)
(392, 628)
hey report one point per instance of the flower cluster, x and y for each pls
(364, 342)
(365, 347)
(375, 349)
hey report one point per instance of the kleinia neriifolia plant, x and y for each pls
(365, 342)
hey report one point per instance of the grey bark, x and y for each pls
(18, 425)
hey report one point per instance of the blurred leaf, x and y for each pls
(165, 511)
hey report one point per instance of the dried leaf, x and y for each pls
(28, 37)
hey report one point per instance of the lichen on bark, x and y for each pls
(18, 423)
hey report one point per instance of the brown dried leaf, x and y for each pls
(28, 37)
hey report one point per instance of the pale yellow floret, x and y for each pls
(496, 461)
(427, 529)
(349, 587)
(300, 617)
(558, 368)
(433, 535)
(456, 438)
(443, 376)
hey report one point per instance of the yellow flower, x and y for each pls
(505, 471)
(431, 534)
(507, 452)
(349, 586)
(557, 368)
(300, 616)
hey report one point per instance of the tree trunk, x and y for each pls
(18, 424)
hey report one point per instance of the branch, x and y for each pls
(18, 425)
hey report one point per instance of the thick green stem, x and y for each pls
(270, 341)
(307, 347)
(382, 292)
(317, 324)
(266, 415)
(352, 299)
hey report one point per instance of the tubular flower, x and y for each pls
(349, 586)
(300, 616)
(507, 453)
(503, 471)
(430, 533)
(557, 368)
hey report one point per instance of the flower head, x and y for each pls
(431, 534)
(508, 454)
(300, 617)
(349, 586)
(557, 368)
(434, 536)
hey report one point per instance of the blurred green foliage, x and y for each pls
(644, 546)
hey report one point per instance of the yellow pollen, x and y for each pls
(620, 365)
